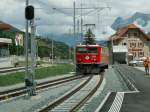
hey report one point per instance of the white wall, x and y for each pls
(5, 62)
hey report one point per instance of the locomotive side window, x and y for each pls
(92, 50)
(82, 50)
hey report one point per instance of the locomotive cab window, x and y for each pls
(82, 50)
(92, 50)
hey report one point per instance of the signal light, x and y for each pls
(29, 12)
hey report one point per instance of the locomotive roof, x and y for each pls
(96, 45)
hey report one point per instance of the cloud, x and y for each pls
(12, 12)
(128, 7)
(60, 20)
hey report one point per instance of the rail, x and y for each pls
(81, 88)
(5, 95)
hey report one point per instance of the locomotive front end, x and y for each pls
(87, 59)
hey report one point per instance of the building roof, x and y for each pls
(5, 41)
(120, 32)
(4, 26)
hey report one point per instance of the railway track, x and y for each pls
(124, 71)
(5, 95)
(76, 98)
(11, 69)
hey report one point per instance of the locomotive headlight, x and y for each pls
(94, 59)
(80, 59)
(87, 57)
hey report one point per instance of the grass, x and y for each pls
(23, 63)
(18, 77)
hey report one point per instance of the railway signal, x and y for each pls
(29, 12)
(29, 79)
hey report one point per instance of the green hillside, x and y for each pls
(61, 50)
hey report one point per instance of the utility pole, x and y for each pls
(69, 47)
(78, 28)
(36, 41)
(81, 23)
(52, 51)
(36, 35)
(74, 31)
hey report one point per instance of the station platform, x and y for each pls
(138, 101)
(135, 100)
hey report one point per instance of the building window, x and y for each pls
(133, 45)
(140, 45)
(134, 54)
(128, 35)
(135, 34)
(140, 54)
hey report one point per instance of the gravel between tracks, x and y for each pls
(24, 104)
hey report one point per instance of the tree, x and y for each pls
(89, 37)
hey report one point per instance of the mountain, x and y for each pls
(103, 43)
(140, 19)
(69, 39)
(102, 34)
(118, 23)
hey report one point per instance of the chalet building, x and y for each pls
(135, 40)
(4, 42)
(4, 47)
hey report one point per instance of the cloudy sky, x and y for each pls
(61, 20)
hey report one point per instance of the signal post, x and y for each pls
(30, 74)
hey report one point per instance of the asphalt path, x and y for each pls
(140, 101)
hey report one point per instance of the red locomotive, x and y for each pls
(91, 59)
